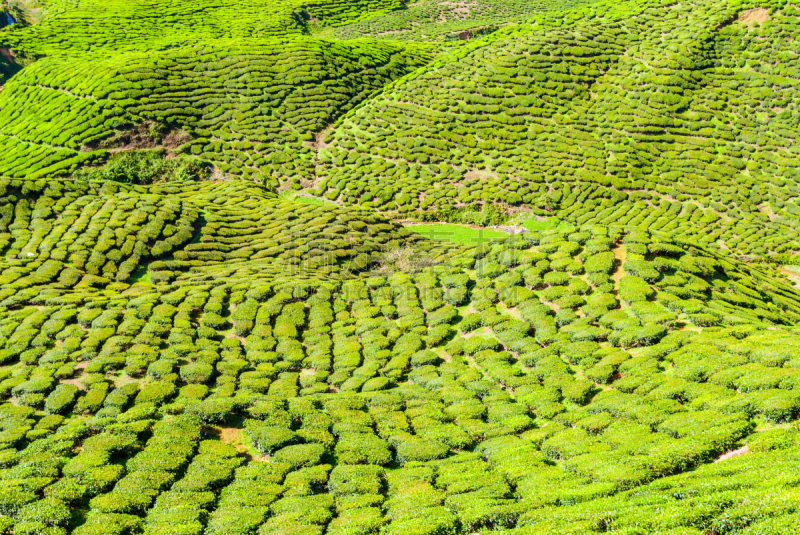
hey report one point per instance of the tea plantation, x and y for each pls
(673, 117)
(374, 267)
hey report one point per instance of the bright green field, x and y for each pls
(547, 224)
(457, 233)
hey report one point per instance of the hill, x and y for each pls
(669, 117)
(216, 317)
(253, 110)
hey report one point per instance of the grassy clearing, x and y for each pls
(548, 224)
(141, 275)
(457, 233)
(305, 199)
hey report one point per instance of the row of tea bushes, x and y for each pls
(75, 238)
(247, 230)
(74, 235)
(747, 494)
(433, 21)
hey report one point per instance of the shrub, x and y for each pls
(355, 479)
(197, 372)
(360, 448)
(60, 399)
(300, 455)
(269, 438)
(145, 167)
(415, 449)
(213, 409)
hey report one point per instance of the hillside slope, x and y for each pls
(434, 20)
(68, 239)
(215, 321)
(674, 117)
(528, 385)
(251, 109)
(93, 25)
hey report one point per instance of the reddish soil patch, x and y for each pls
(619, 255)
(752, 16)
(794, 278)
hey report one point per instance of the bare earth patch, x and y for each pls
(794, 278)
(175, 139)
(752, 16)
(479, 174)
(143, 136)
(766, 209)
(77, 380)
(235, 437)
(733, 453)
(619, 255)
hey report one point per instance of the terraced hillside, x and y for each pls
(433, 20)
(90, 25)
(213, 320)
(91, 235)
(520, 385)
(252, 110)
(676, 117)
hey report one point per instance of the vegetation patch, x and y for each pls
(146, 167)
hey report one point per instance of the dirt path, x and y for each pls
(79, 368)
(235, 437)
(794, 278)
(619, 272)
(733, 453)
